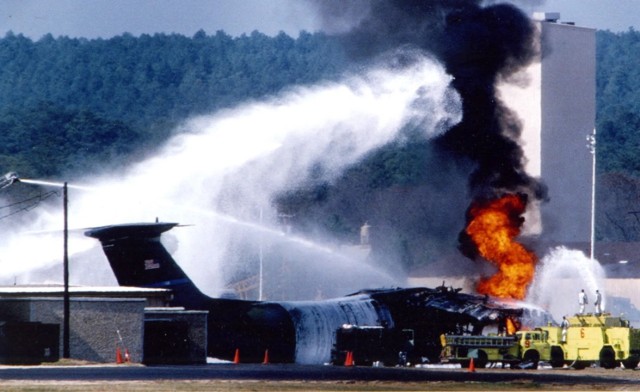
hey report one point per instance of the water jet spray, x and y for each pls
(241, 159)
(53, 184)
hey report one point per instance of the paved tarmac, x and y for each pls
(288, 372)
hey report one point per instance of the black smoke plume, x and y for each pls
(483, 45)
(479, 46)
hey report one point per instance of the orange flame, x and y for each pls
(494, 225)
(511, 326)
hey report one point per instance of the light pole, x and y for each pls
(260, 272)
(66, 351)
(591, 145)
(11, 178)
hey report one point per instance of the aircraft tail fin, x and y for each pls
(138, 258)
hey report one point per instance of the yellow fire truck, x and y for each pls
(601, 339)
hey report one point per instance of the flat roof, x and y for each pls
(85, 291)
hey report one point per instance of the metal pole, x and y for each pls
(592, 148)
(260, 277)
(65, 334)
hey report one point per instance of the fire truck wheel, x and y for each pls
(532, 356)
(607, 358)
(481, 361)
(557, 357)
(631, 363)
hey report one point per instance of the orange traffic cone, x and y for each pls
(266, 357)
(118, 355)
(236, 357)
(472, 366)
(127, 357)
(349, 359)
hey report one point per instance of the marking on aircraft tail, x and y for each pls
(151, 264)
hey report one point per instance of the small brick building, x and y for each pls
(99, 316)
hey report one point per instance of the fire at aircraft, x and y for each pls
(493, 226)
(478, 46)
(302, 331)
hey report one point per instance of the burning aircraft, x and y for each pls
(301, 331)
(478, 46)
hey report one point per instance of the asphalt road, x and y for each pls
(275, 372)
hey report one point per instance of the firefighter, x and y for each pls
(443, 343)
(502, 324)
(565, 326)
(582, 300)
(598, 303)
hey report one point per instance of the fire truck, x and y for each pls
(605, 340)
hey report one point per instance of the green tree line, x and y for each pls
(60, 95)
(618, 135)
(69, 105)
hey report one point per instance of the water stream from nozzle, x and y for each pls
(562, 273)
(54, 184)
(239, 160)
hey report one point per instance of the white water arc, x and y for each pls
(561, 275)
(54, 184)
(236, 161)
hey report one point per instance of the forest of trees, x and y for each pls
(127, 93)
(618, 106)
(68, 105)
(618, 138)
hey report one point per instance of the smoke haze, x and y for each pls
(479, 46)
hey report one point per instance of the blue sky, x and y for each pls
(107, 18)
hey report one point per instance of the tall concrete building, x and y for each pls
(556, 100)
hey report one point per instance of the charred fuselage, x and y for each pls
(296, 331)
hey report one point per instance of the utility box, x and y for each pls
(166, 342)
(174, 336)
(29, 343)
